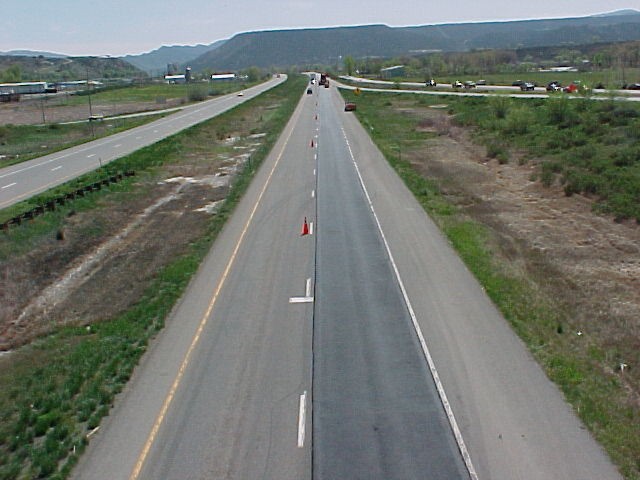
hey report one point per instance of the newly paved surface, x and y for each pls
(25, 179)
(376, 411)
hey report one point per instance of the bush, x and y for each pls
(500, 106)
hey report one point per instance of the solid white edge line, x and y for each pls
(301, 419)
(434, 373)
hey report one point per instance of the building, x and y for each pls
(23, 87)
(223, 77)
(175, 79)
(390, 72)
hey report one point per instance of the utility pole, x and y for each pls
(90, 107)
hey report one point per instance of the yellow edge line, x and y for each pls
(185, 362)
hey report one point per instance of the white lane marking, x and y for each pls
(315, 156)
(301, 300)
(307, 290)
(314, 172)
(92, 155)
(56, 168)
(310, 228)
(118, 145)
(313, 194)
(10, 185)
(432, 367)
(301, 419)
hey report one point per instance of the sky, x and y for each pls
(120, 27)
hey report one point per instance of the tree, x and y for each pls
(349, 64)
(12, 74)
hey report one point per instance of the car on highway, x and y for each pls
(527, 87)
(349, 106)
(554, 86)
(457, 84)
(633, 86)
(481, 82)
(571, 88)
(517, 83)
(469, 84)
(241, 94)
(309, 91)
(431, 83)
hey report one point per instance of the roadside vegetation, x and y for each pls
(588, 147)
(55, 391)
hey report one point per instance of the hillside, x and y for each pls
(324, 46)
(39, 68)
(157, 60)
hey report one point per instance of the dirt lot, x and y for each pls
(29, 111)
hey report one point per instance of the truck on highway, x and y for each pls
(323, 79)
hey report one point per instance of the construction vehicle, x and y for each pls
(323, 79)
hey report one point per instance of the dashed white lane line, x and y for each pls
(92, 155)
(301, 418)
(10, 185)
(313, 194)
(117, 146)
(56, 168)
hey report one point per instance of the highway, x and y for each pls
(26, 179)
(480, 91)
(364, 349)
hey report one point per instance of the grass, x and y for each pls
(56, 390)
(599, 399)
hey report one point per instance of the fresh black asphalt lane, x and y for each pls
(376, 411)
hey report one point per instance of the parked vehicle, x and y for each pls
(527, 87)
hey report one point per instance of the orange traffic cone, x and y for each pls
(305, 227)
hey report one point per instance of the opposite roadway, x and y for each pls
(297, 356)
(25, 179)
